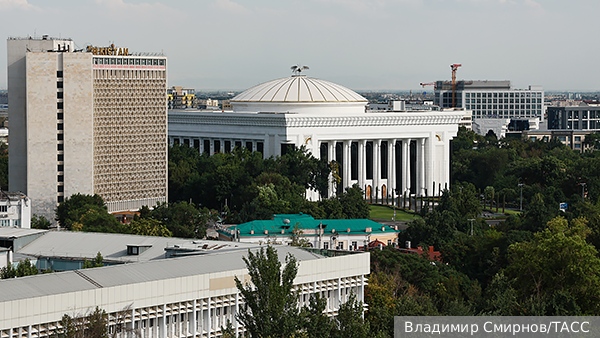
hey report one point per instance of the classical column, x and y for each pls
(422, 168)
(406, 166)
(346, 159)
(330, 158)
(361, 163)
(391, 167)
(377, 168)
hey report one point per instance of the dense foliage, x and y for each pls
(88, 213)
(246, 187)
(270, 304)
(541, 262)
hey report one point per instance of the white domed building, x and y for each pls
(384, 152)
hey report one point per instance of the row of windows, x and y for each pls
(59, 136)
(506, 106)
(119, 74)
(501, 114)
(507, 94)
(583, 125)
(7, 223)
(130, 61)
(503, 100)
(574, 114)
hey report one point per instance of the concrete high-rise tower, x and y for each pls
(90, 121)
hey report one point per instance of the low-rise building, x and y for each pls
(574, 139)
(15, 210)
(193, 294)
(339, 234)
(181, 98)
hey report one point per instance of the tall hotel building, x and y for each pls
(90, 121)
(492, 99)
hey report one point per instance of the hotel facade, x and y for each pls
(90, 121)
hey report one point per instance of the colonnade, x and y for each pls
(218, 145)
(381, 166)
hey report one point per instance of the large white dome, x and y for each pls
(298, 89)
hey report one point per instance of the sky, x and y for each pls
(361, 44)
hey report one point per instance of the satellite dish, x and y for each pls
(286, 221)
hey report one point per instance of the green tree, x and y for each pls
(354, 204)
(270, 303)
(316, 322)
(97, 262)
(297, 238)
(92, 325)
(24, 268)
(149, 227)
(182, 219)
(40, 222)
(592, 140)
(349, 321)
(557, 265)
(86, 213)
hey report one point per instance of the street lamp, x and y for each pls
(582, 190)
(521, 206)
(472, 219)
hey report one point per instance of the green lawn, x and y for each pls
(385, 212)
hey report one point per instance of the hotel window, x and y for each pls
(3, 208)
(59, 95)
(59, 73)
(59, 84)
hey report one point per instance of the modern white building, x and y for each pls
(88, 121)
(384, 152)
(493, 103)
(492, 99)
(190, 296)
(15, 210)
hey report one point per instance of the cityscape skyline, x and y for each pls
(364, 45)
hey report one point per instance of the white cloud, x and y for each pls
(16, 4)
(156, 9)
(533, 4)
(232, 7)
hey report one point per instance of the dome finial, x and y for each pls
(297, 69)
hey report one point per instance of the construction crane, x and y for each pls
(454, 67)
(428, 84)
